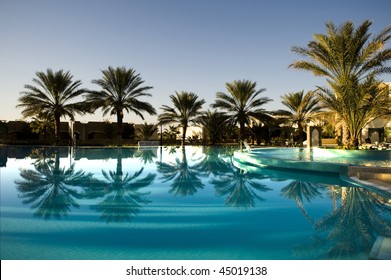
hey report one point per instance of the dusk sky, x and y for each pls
(175, 45)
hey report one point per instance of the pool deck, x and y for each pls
(378, 177)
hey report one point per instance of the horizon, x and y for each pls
(174, 45)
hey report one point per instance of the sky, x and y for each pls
(175, 45)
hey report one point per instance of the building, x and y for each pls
(76, 133)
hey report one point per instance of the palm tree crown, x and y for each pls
(186, 109)
(146, 131)
(344, 52)
(51, 98)
(121, 90)
(243, 103)
(350, 61)
(302, 109)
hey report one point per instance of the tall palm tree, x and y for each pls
(121, 90)
(348, 59)
(242, 104)
(51, 98)
(186, 109)
(302, 109)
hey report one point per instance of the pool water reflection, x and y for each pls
(178, 203)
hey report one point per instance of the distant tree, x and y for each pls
(242, 104)
(171, 132)
(350, 61)
(41, 126)
(302, 109)
(50, 98)
(186, 109)
(121, 90)
(213, 124)
(146, 131)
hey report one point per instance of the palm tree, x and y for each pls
(121, 90)
(350, 61)
(51, 98)
(359, 106)
(242, 104)
(213, 123)
(302, 109)
(146, 131)
(186, 109)
(171, 132)
(42, 126)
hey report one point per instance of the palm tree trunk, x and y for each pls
(241, 132)
(345, 134)
(300, 128)
(184, 134)
(56, 130)
(120, 117)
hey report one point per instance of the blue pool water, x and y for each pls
(174, 203)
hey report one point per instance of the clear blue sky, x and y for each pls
(175, 45)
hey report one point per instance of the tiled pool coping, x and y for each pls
(363, 176)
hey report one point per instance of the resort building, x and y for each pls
(380, 129)
(91, 133)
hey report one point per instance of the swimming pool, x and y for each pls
(351, 157)
(174, 203)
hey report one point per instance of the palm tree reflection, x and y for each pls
(214, 162)
(300, 190)
(185, 180)
(240, 188)
(354, 226)
(50, 189)
(146, 155)
(122, 198)
(351, 229)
